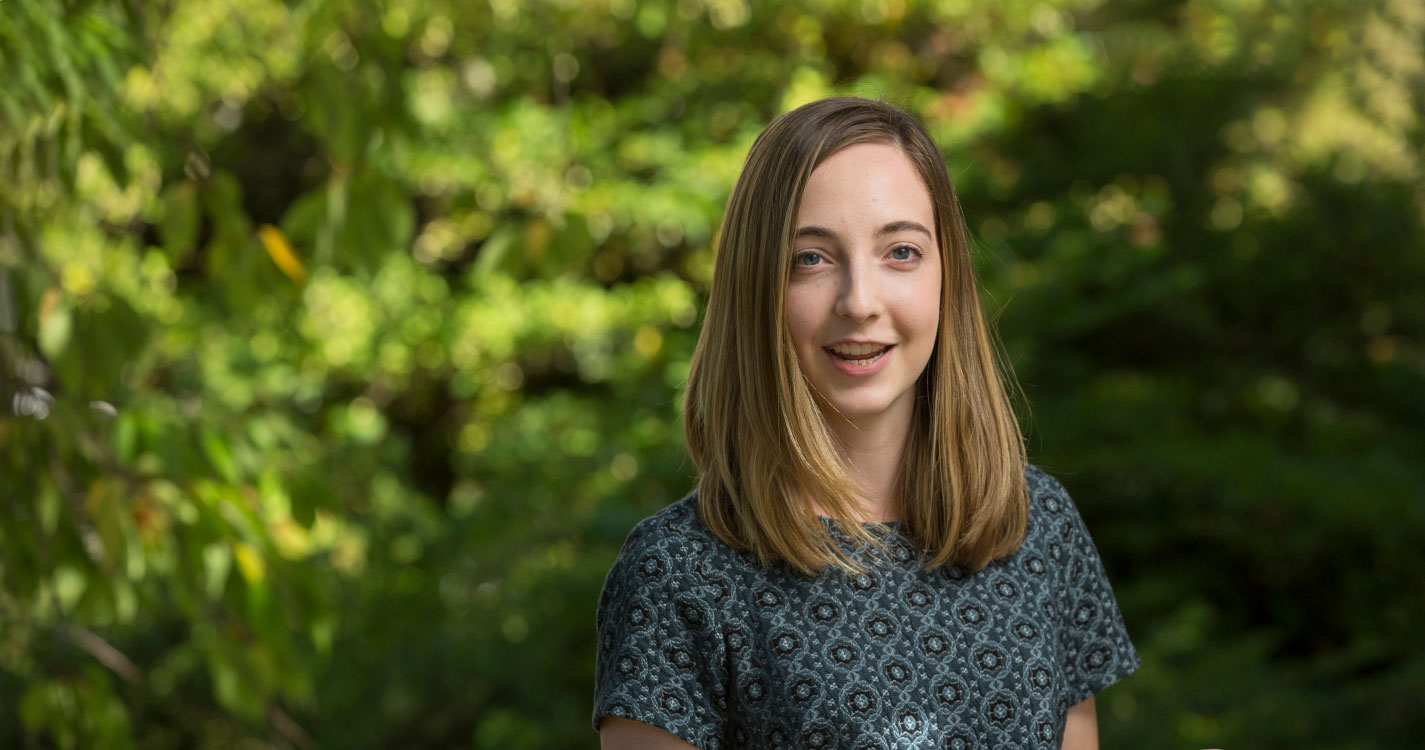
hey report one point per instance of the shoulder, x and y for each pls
(674, 535)
(1056, 530)
(1049, 502)
(1092, 638)
(671, 554)
(661, 658)
(1042, 486)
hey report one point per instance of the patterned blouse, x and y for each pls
(702, 641)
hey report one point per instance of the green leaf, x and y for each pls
(217, 562)
(221, 458)
(178, 229)
(35, 706)
(56, 328)
(497, 249)
(125, 436)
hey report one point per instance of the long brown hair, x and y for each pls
(762, 445)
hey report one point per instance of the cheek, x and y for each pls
(804, 316)
(925, 311)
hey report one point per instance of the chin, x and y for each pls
(859, 409)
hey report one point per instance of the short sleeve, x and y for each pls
(1093, 641)
(661, 657)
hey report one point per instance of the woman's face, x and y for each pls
(863, 303)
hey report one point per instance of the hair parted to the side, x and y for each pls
(761, 443)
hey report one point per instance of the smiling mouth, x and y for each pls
(857, 355)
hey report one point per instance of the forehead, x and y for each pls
(865, 182)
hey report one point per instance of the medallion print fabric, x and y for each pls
(700, 640)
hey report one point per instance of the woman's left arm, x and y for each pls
(1081, 727)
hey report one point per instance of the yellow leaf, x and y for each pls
(280, 250)
(647, 341)
(249, 562)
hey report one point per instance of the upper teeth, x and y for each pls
(856, 350)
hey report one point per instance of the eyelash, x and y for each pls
(918, 254)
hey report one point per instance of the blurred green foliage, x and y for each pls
(341, 343)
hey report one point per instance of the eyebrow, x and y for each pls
(891, 228)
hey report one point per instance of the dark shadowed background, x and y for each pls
(341, 345)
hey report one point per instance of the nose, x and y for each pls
(859, 297)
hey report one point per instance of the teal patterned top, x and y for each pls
(702, 641)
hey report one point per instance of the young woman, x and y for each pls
(867, 561)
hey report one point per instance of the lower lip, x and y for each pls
(855, 370)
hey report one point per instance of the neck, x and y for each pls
(873, 449)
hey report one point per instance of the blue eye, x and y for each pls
(904, 252)
(806, 260)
